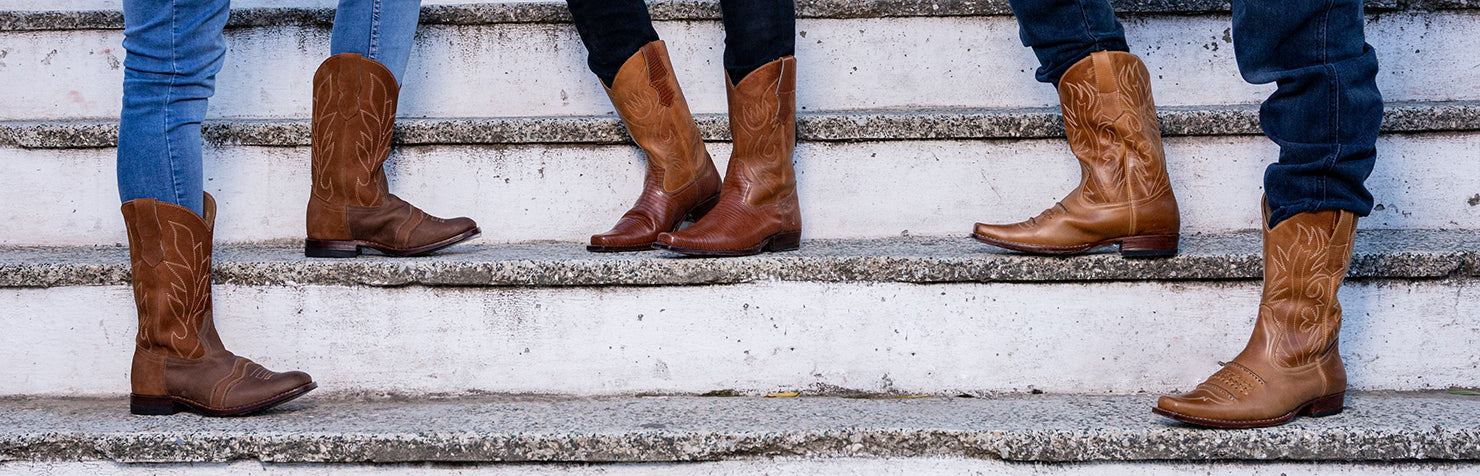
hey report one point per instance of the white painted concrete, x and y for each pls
(531, 70)
(848, 190)
(761, 337)
(768, 466)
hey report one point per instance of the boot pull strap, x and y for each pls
(1104, 72)
(658, 74)
(145, 235)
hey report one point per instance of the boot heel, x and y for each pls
(785, 241)
(147, 405)
(1327, 405)
(702, 208)
(1149, 246)
(330, 249)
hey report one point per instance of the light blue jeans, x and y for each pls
(176, 47)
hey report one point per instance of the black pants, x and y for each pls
(756, 32)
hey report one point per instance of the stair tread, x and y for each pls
(680, 10)
(920, 124)
(1032, 428)
(1380, 254)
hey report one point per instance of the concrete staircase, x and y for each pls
(919, 118)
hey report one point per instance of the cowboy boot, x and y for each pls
(1291, 365)
(179, 362)
(1124, 195)
(757, 208)
(351, 207)
(682, 183)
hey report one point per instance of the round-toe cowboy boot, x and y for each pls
(681, 183)
(758, 208)
(179, 362)
(351, 207)
(1291, 365)
(1124, 195)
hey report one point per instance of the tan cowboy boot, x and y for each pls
(1124, 196)
(179, 362)
(351, 207)
(757, 208)
(681, 183)
(1291, 365)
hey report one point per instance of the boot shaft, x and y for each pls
(1306, 258)
(647, 96)
(763, 124)
(170, 257)
(1110, 120)
(354, 112)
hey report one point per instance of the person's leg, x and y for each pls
(174, 50)
(757, 32)
(1326, 109)
(613, 31)
(355, 93)
(1324, 115)
(1125, 195)
(758, 208)
(381, 30)
(1063, 32)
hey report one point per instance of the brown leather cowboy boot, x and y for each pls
(179, 362)
(1291, 365)
(351, 207)
(681, 181)
(1124, 196)
(757, 208)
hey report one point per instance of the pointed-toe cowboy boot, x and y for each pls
(682, 183)
(351, 207)
(179, 362)
(1124, 195)
(1291, 365)
(758, 209)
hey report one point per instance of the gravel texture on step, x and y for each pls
(835, 126)
(1380, 254)
(1029, 428)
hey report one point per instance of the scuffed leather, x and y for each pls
(1124, 190)
(759, 198)
(1292, 357)
(354, 113)
(178, 352)
(680, 173)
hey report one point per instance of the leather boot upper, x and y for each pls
(1292, 356)
(680, 173)
(759, 198)
(354, 112)
(1124, 190)
(178, 352)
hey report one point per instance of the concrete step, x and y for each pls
(1428, 427)
(524, 59)
(937, 316)
(862, 174)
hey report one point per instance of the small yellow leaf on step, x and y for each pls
(783, 395)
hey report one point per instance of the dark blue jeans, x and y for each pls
(1324, 113)
(756, 32)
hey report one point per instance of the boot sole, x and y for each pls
(170, 405)
(694, 214)
(1143, 246)
(351, 248)
(1316, 408)
(784, 241)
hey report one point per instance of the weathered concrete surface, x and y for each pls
(935, 62)
(849, 190)
(475, 13)
(860, 466)
(1035, 123)
(1041, 428)
(755, 338)
(1380, 254)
